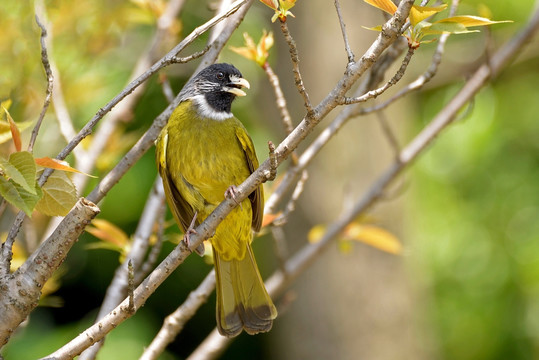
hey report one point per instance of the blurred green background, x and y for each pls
(467, 285)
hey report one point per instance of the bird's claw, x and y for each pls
(231, 193)
(187, 237)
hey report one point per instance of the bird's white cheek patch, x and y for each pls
(206, 111)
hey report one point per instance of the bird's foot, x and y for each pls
(231, 193)
(191, 231)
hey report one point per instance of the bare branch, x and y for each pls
(175, 322)
(121, 312)
(295, 66)
(392, 139)
(119, 286)
(349, 53)
(279, 98)
(395, 79)
(22, 290)
(48, 94)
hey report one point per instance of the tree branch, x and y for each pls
(21, 291)
(175, 322)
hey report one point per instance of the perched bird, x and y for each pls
(202, 153)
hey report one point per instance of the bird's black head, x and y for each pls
(214, 88)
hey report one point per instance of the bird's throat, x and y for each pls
(215, 108)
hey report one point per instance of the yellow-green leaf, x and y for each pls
(375, 28)
(384, 5)
(59, 195)
(18, 196)
(100, 245)
(373, 236)
(21, 169)
(108, 232)
(420, 13)
(446, 28)
(469, 20)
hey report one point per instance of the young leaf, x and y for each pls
(58, 165)
(21, 169)
(373, 236)
(447, 28)
(255, 52)
(274, 4)
(420, 13)
(59, 195)
(18, 196)
(5, 130)
(15, 133)
(469, 20)
(108, 232)
(384, 5)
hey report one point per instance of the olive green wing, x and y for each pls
(182, 211)
(257, 196)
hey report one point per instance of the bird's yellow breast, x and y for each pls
(205, 153)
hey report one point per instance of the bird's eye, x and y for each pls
(220, 75)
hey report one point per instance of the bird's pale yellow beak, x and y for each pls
(236, 84)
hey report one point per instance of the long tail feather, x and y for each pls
(242, 299)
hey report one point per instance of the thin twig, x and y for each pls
(295, 67)
(50, 79)
(183, 60)
(291, 206)
(279, 98)
(130, 286)
(281, 248)
(175, 322)
(349, 53)
(389, 134)
(395, 79)
(119, 286)
(272, 173)
(166, 88)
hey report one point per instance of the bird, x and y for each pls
(202, 153)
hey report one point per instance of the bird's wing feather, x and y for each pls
(257, 196)
(182, 211)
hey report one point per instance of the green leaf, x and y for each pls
(59, 195)
(21, 168)
(16, 195)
